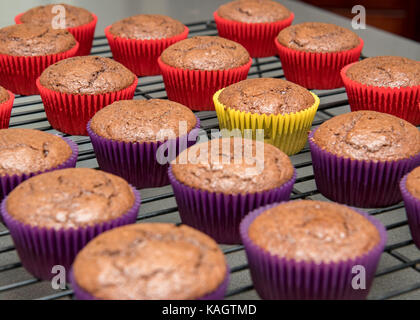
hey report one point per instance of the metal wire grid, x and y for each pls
(401, 259)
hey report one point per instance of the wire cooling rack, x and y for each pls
(398, 275)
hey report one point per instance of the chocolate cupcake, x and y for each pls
(131, 138)
(75, 89)
(386, 84)
(284, 111)
(253, 23)
(360, 157)
(26, 50)
(78, 21)
(6, 105)
(296, 248)
(26, 152)
(171, 263)
(53, 215)
(194, 69)
(313, 53)
(229, 178)
(138, 41)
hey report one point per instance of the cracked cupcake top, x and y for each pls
(87, 75)
(70, 198)
(386, 71)
(269, 96)
(253, 11)
(30, 40)
(413, 183)
(4, 95)
(205, 53)
(318, 37)
(368, 135)
(30, 151)
(150, 262)
(147, 26)
(43, 15)
(313, 231)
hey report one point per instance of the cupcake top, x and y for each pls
(87, 75)
(386, 71)
(368, 135)
(150, 262)
(413, 182)
(205, 53)
(218, 168)
(266, 95)
(142, 120)
(4, 95)
(253, 11)
(29, 151)
(313, 231)
(70, 198)
(147, 26)
(43, 15)
(31, 40)
(318, 37)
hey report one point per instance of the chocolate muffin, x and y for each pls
(30, 151)
(31, 40)
(413, 183)
(70, 198)
(368, 135)
(386, 71)
(89, 75)
(318, 37)
(4, 95)
(218, 171)
(313, 231)
(43, 15)
(266, 96)
(150, 262)
(147, 27)
(141, 120)
(253, 11)
(205, 53)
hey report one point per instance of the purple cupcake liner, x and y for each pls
(219, 215)
(136, 162)
(412, 208)
(40, 249)
(277, 278)
(218, 294)
(360, 183)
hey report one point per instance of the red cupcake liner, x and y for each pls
(83, 34)
(19, 74)
(6, 111)
(140, 56)
(412, 208)
(257, 38)
(316, 70)
(195, 88)
(70, 113)
(400, 102)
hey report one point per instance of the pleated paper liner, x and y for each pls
(412, 208)
(140, 56)
(40, 249)
(6, 111)
(19, 74)
(277, 278)
(84, 34)
(219, 215)
(316, 70)
(195, 88)
(288, 132)
(359, 183)
(138, 162)
(401, 102)
(218, 294)
(70, 113)
(257, 38)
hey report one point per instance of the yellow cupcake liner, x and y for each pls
(288, 132)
